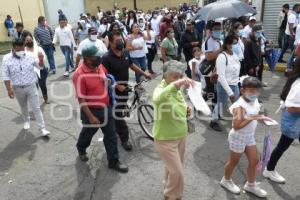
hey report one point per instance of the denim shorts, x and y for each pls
(290, 124)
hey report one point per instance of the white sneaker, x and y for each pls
(296, 142)
(44, 132)
(275, 76)
(26, 125)
(256, 190)
(273, 176)
(230, 186)
(66, 74)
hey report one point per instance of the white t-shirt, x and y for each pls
(198, 62)
(152, 35)
(212, 45)
(297, 37)
(228, 74)
(138, 42)
(103, 28)
(155, 25)
(100, 15)
(251, 109)
(293, 98)
(241, 48)
(87, 42)
(292, 19)
(247, 31)
(64, 36)
(35, 53)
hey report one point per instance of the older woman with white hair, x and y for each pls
(170, 126)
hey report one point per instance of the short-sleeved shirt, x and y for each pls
(136, 42)
(117, 66)
(292, 19)
(87, 42)
(90, 84)
(19, 71)
(293, 97)
(170, 46)
(211, 45)
(250, 109)
(247, 31)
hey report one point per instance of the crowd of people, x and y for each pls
(111, 43)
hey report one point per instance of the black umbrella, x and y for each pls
(224, 9)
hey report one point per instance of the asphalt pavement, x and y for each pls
(32, 168)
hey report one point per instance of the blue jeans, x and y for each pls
(290, 124)
(66, 50)
(141, 63)
(49, 51)
(288, 44)
(290, 62)
(110, 138)
(222, 99)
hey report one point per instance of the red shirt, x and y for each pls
(162, 29)
(91, 86)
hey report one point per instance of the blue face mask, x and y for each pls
(222, 36)
(241, 33)
(217, 34)
(251, 97)
(258, 35)
(236, 48)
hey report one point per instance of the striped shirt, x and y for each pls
(43, 35)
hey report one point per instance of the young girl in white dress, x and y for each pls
(242, 137)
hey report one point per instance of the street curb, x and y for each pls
(280, 67)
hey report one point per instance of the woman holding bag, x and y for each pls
(228, 71)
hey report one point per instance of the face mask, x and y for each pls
(155, 15)
(235, 48)
(258, 35)
(251, 97)
(241, 33)
(141, 24)
(96, 63)
(222, 36)
(172, 34)
(120, 45)
(20, 54)
(217, 34)
(93, 37)
(29, 44)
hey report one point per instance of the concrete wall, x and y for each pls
(30, 10)
(91, 5)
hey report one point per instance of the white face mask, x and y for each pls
(20, 54)
(93, 37)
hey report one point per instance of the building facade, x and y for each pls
(91, 5)
(21, 11)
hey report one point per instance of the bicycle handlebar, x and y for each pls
(130, 88)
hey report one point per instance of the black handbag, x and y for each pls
(207, 66)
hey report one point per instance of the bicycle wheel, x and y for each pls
(146, 119)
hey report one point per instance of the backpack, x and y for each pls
(214, 76)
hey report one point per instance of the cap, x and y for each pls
(92, 30)
(90, 51)
(252, 18)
